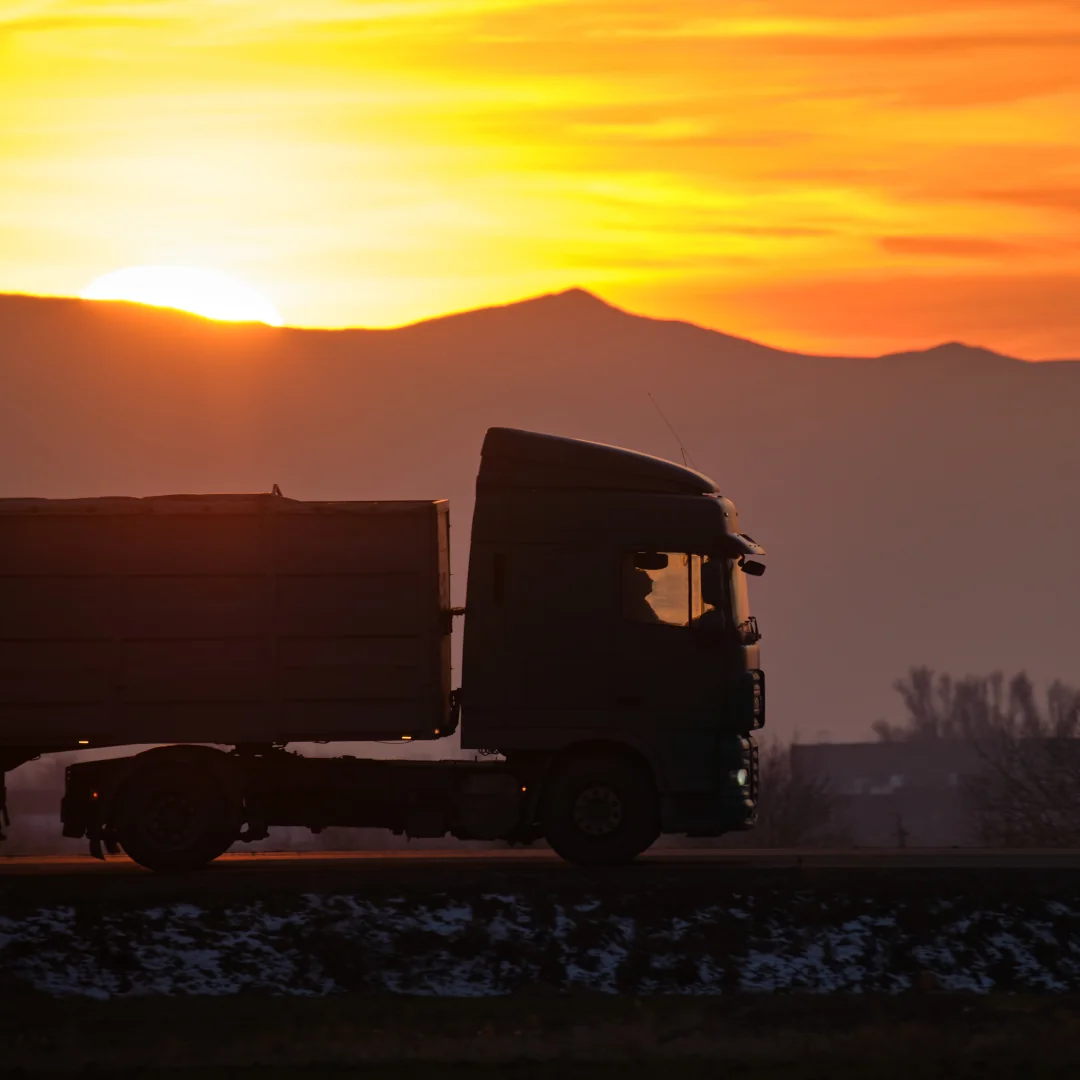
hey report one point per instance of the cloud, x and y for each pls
(1044, 198)
(958, 247)
(36, 15)
(1031, 314)
(383, 161)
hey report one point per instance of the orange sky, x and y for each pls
(796, 171)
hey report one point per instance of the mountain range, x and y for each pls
(918, 508)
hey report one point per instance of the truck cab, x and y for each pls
(610, 655)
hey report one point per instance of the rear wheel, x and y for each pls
(175, 816)
(600, 809)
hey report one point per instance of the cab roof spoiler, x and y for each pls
(512, 459)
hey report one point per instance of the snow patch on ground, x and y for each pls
(826, 959)
(497, 943)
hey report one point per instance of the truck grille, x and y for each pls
(752, 766)
(757, 710)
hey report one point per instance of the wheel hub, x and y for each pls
(598, 810)
(173, 821)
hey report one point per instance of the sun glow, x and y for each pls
(824, 176)
(209, 293)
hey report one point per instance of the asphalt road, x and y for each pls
(509, 859)
(670, 876)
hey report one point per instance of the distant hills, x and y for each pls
(918, 507)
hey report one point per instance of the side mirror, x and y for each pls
(754, 569)
(650, 560)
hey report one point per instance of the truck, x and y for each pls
(610, 674)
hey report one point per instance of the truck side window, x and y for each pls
(661, 587)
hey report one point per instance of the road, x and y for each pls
(665, 877)
(509, 859)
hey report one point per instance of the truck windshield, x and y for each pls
(739, 597)
(725, 601)
(676, 588)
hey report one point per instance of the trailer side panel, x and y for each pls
(227, 619)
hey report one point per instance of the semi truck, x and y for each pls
(610, 676)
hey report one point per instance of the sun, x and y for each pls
(201, 291)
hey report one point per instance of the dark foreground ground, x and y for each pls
(791, 1037)
(786, 965)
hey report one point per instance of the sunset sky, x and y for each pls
(796, 171)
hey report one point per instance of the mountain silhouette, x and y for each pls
(918, 507)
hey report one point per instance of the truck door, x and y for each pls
(669, 668)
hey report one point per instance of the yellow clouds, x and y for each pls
(373, 163)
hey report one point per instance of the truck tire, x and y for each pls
(600, 809)
(175, 817)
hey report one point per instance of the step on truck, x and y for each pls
(610, 675)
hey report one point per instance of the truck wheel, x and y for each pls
(600, 809)
(175, 817)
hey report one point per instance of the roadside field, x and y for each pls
(490, 927)
(572, 1037)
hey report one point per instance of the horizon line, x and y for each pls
(533, 298)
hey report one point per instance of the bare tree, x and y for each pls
(1027, 791)
(793, 810)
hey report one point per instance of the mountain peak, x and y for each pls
(574, 306)
(574, 299)
(577, 295)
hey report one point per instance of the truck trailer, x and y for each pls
(610, 682)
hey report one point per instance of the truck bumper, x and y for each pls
(732, 807)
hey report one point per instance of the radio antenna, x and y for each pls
(686, 458)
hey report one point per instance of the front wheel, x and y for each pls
(600, 809)
(175, 817)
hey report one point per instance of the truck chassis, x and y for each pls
(176, 808)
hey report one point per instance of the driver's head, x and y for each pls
(639, 582)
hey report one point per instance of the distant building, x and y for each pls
(895, 794)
